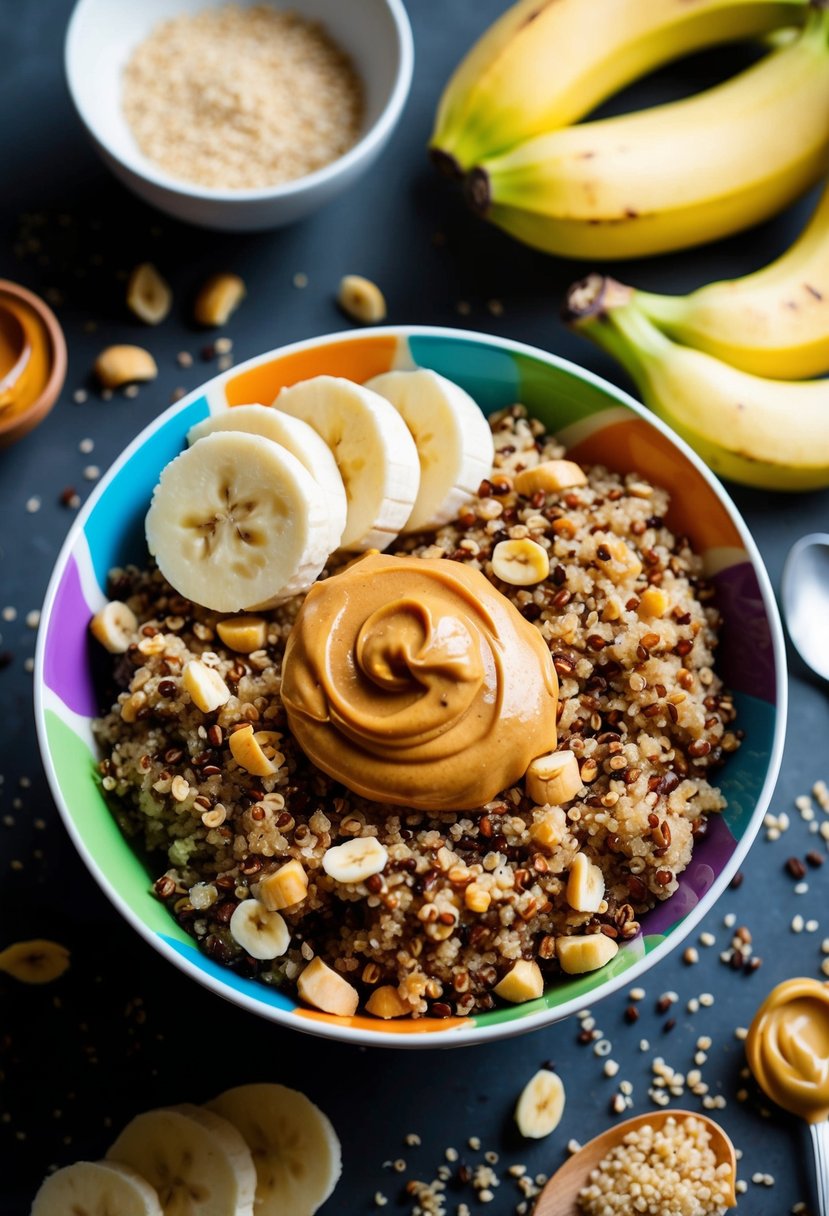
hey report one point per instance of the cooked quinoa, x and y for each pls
(659, 1170)
(463, 895)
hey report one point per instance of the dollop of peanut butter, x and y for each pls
(414, 681)
(788, 1048)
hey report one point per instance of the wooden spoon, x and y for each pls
(560, 1195)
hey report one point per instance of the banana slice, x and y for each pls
(453, 440)
(356, 860)
(540, 1105)
(38, 961)
(96, 1188)
(299, 438)
(375, 454)
(585, 884)
(236, 522)
(295, 1148)
(198, 1162)
(261, 933)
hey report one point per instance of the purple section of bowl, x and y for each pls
(745, 657)
(709, 860)
(66, 661)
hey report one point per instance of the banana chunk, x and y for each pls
(125, 364)
(261, 934)
(324, 988)
(206, 687)
(114, 627)
(197, 1161)
(356, 860)
(96, 1188)
(375, 454)
(553, 779)
(237, 523)
(524, 982)
(300, 439)
(285, 888)
(453, 441)
(295, 1149)
(541, 1105)
(256, 751)
(585, 885)
(386, 1002)
(361, 299)
(580, 954)
(550, 476)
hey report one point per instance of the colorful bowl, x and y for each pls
(598, 423)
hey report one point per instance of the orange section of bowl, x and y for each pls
(405, 1026)
(635, 445)
(358, 360)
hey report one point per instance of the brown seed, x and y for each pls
(631, 1014)
(814, 858)
(796, 867)
(698, 748)
(737, 880)
(663, 877)
(663, 1004)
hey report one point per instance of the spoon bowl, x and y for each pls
(805, 595)
(560, 1195)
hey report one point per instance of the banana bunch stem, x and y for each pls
(773, 434)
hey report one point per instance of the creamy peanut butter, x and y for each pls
(788, 1048)
(414, 681)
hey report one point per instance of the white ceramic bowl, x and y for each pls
(101, 37)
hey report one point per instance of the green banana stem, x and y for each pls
(606, 311)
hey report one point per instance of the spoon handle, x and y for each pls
(820, 1145)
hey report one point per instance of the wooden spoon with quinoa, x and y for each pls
(560, 1195)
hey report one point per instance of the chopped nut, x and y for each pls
(206, 687)
(250, 750)
(653, 602)
(361, 299)
(118, 365)
(220, 296)
(148, 294)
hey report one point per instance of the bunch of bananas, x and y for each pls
(665, 178)
(726, 365)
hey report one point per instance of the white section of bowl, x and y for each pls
(101, 37)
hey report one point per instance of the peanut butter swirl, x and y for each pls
(414, 681)
(788, 1048)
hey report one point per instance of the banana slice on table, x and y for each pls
(236, 522)
(375, 454)
(541, 1105)
(197, 1161)
(96, 1188)
(295, 1148)
(452, 436)
(299, 438)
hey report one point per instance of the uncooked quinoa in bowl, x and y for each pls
(196, 782)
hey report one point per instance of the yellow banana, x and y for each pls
(766, 433)
(547, 63)
(774, 322)
(674, 175)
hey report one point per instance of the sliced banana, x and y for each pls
(96, 1188)
(374, 452)
(206, 687)
(578, 955)
(324, 988)
(295, 1149)
(299, 438)
(114, 627)
(198, 1162)
(285, 888)
(236, 522)
(553, 779)
(521, 563)
(540, 1105)
(261, 933)
(356, 860)
(148, 294)
(38, 961)
(585, 884)
(453, 441)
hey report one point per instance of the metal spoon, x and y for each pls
(805, 594)
(18, 352)
(560, 1195)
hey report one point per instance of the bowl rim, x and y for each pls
(144, 169)
(465, 1034)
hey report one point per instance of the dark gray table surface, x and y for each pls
(123, 1030)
